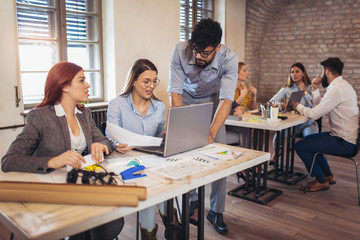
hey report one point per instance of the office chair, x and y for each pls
(319, 123)
(103, 127)
(350, 157)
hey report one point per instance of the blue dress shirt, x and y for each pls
(123, 113)
(220, 75)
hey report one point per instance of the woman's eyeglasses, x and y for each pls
(147, 83)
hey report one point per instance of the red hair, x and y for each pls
(60, 75)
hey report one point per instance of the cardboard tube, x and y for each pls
(140, 192)
(10, 195)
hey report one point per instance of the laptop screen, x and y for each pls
(187, 127)
(294, 98)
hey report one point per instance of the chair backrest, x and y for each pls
(103, 127)
(357, 144)
(319, 123)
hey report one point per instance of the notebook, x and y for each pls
(294, 98)
(187, 128)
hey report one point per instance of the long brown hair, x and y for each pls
(60, 75)
(140, 66)
(289, 82)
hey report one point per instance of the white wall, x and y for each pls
(132, 29)
(235, 22)
(142, 29)
(9, 75)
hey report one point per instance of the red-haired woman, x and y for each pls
(59, 132)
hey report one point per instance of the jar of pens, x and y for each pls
(270, 112)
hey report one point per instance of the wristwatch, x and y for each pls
(305, 92)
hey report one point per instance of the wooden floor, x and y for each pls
(331, 214)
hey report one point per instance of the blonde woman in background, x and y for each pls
(244, 99)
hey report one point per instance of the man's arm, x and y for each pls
(175, 99)
(222, 112)
(331, 98)
(177, 77)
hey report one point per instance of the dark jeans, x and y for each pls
(323, 143)
(107, 231)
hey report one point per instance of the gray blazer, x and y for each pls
(46, 136)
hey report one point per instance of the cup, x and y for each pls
(265, 114)
(274, 113)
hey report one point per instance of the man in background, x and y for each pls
(340, 105)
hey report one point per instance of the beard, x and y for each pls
(203, 63)
(324, 81)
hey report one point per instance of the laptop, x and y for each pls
(187, 128)
(294, 98)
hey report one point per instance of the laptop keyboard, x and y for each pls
(153, 148)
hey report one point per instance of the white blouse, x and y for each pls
(78, 143)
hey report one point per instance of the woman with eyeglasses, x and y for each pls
(58, 132)
(138, 110)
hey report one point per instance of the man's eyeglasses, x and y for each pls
(203, 54)
(147, 83)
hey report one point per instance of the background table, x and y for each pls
(55, 221)
(284, 165)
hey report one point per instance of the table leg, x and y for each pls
(287, 169)
(267, 137)
(282, 147)
(256, 192)
(201, 213)
(255, 189)
(169, 220)
(293, 136)
(185, 216)
(199, 222)
(137, 224)
(280, 173)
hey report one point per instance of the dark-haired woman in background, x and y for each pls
(298, 80)
(58, 131)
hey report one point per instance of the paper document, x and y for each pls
(215, 152)
(88, 162)
(122, 135)
(178, 168)
(118, 165)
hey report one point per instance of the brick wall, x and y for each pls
(282, 32)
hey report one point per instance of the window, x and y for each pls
(50, 31)
(191, 12)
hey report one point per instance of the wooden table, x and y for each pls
(55, 221)
(284, 165)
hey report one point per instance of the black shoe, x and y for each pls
(240, 175)
(193, 205)
(216, 219)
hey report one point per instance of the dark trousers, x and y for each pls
(107, 231)
(324, 143)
